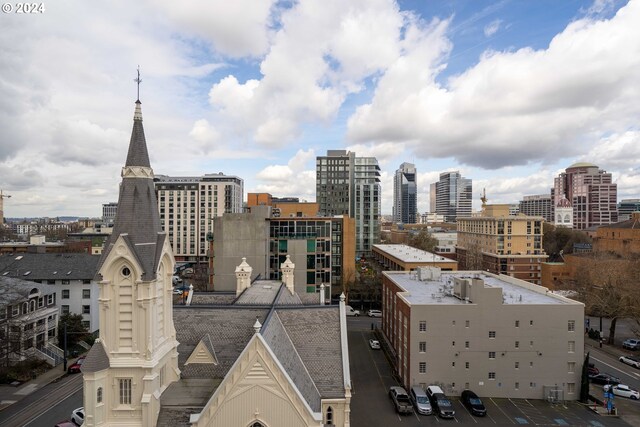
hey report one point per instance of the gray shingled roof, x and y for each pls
(16, 290)
(137, 215)
(97, 359)
(52, 266)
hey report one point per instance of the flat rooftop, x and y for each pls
(407, 253)
(441, 291)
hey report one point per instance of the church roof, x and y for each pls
(97, 359)
(50, 266)
(137, 215)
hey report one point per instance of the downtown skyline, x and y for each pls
(508, 93)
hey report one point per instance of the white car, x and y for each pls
(374, 313)
(630, 360)
(374, 344)
(77, 416)
(623, 390)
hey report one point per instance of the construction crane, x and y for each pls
(2, 197)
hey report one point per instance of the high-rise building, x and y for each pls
(188, 205)
(454, 195)
(109, 211)
(501, 243)
(538, 205)
(627, 207)
(350, 185)
(432, 197)
(591, 192)
(405, 195)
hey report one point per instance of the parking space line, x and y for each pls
(467, 410)
(505, 414)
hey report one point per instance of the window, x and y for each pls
(99, 395)
(571, 388)
(423, 346)
(571, 367)
(532, 384)
(453, 364)
(86, 294)
(422, 367)
(329, 416)
(65, 294)
(517, 386)
(466, 344)
(517, 323)
(517, 345)
(530, 322)
(423, 326)
(453, 343)
(517, 365)
(492, 355)
(125, 391)
(466, 323)
(64, 309)
(86, 309)
(466, 365)
(572, 346)
(492, 334)
(492, 375)
(65, 281)
(571, 326)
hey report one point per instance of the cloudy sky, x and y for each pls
(507, 92)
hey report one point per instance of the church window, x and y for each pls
(125, 391)
(99, 395)
(126, 272)
(257, 424)
(329, 416)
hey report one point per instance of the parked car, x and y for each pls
(75, 367)
(439, 402)
(374, 313)
(473, 403)
(592, 370)
(400, 400)
(630, 360)
(77, 416)
(65, 423)
(374, 344)
(351, 311)
(604, 378)
(420, 400)
(632, 344)
(623, 390)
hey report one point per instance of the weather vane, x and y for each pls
(138, 80)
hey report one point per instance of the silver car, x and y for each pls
(420, 400)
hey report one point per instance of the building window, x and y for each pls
(492, 375)
(571, 327)
(50, 299)
(517, 345)
(423, 346)
(466, 344)
(571, 367)
(86, 324)
(466, 365)
(453, 364)
(492, 355)
(86, 309)
(571, 388)
(125, 391)
(466, 323)
(86, 294)
(517, 323)
(572, 346)
(99, 395)
(64, 309)
(423, 326)
(65, 294)
(530, 322)
(517, 386)
(65, 281)
(517, 365)
(329, 416)
(423, 367)
(532, 384)
(492, 334)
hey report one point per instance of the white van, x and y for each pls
(351, 311)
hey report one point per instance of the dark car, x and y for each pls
(473, 403)
(604, 378)
(439, 402)
(75, 368)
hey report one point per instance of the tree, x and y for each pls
(75, 330)
(584, 381)
(423, 240)
(607, 284)
(559, 240)
(473, 258)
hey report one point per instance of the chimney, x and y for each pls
(243, 276)
(287, 274)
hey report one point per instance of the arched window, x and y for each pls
(32, 305)
(329, 416)
(99, 395)
(25, 308)
(257, 424)
(567, 219)
(559, 218)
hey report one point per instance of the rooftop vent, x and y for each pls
(19, 257)
(68, 273)
(27, 273)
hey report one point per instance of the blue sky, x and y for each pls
(510, 93)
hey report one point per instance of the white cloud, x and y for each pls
(295, 179)
(492, 27)
(584, 84)
(617, 151)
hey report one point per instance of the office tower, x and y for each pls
(538, 205)
(626, 208)
(432, 197)
(454, 194)
(405, 195)
(590, 191)
(109, 211)
(350, 185)
(188, 206)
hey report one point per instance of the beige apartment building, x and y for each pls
(496, 335)
(408, 258)
(500, 243)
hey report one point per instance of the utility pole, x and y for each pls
(2, 197)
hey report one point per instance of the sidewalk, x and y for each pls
(10, 394)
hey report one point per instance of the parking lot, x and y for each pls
(370, 405)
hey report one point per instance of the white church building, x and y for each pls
(261, 358)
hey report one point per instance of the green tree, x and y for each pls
(561, 239)
(75, 330)
(423, 240)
